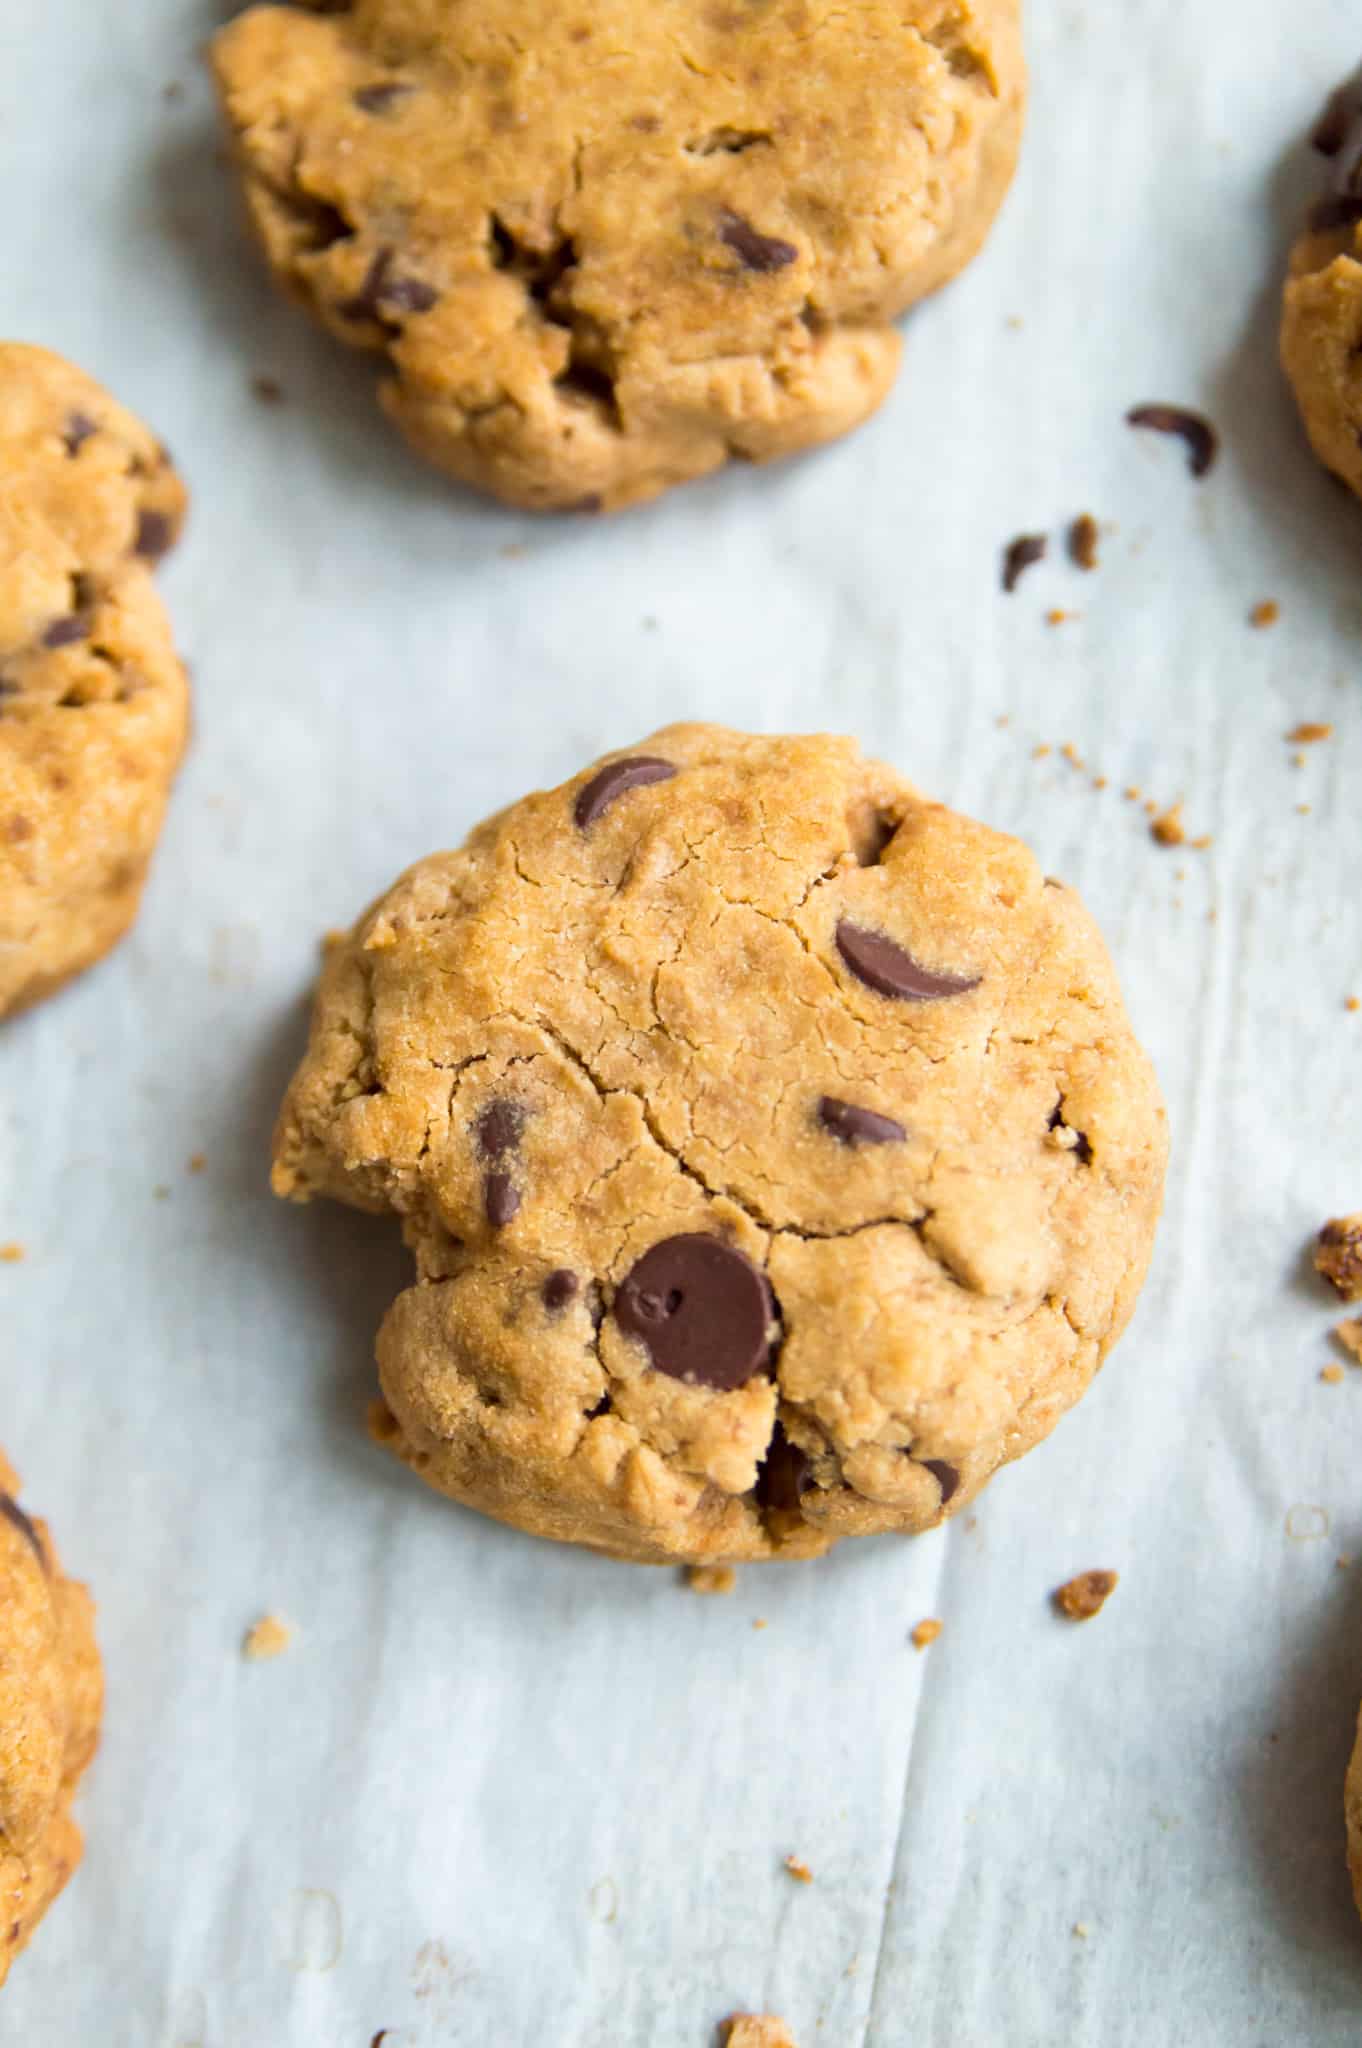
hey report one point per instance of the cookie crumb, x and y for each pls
(1306, 1523)
(1002, 720)
(1071, 754)
(1352, 1003)
(711, 1578)
(1304, 810)
(1083, 537)
(1349, 1335)
(11, 1254)
(1132, 792)
(1343, 1560)
(1079, 1599)
(1167, 826)
(1099, 781)
(1332, 1375)
(1266, 613)
(1308, 732)
(268, 390)
(761, 1622)
(1338, 1255)
(1080, 1930)
(196, 1162)
(1039, 753)
(799, 1870)
(1019, 555)
(172, 91)
(1058, 617)
(268, 1637)
(925, 1632)
(755, 2030)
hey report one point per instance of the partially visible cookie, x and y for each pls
(93, 701)
(755, 2030)
(1352, 1811)
(775, 1151)
(608, 245)
(1322, 311)
(51, 1693)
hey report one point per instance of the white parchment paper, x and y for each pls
(498, 1792)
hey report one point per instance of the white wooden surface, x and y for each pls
(503, 1793)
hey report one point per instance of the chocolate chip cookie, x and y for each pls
(605, 247)
(774, 1149)
(93, 702)
(1352, 1809)
(50, 1699)
(1322, 312)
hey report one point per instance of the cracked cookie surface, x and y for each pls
(607, 247)
(50, 1700)
(772, 1143)
(1321, 335)
(93, 701)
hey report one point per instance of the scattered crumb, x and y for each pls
(1071, 754)
(1085, 1596)
(1306, 1523)
(1151, 808)
(197, 1162)
(380, 2037)
(268, 390)
(1015, 322)
(1200, 844)
(1306, 733)
(1167, 826)
(1304, 810)
(761, 1623)
(925, 1632)
(1332, 1375)
(1019, 555)
(1058, 617)
(268, 1637)
(12, 1253)
(1265, 614)
(1298, 760)
(1352, 1003)
(799, 1870)
(755, 2030)
(1039, 753)
(161, 1192)
(1343, 1560)
(1132, 792)
(513, 550)
(1099, 781)
(172, 91)
(711, 1578)
(1080, 1930)
(1338, 1255)
(1349, 1335)
(1002, 720)
(1083, 537)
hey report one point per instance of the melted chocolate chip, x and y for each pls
(63, 632)
(784, 1475)
(377, 99)
(154, 535)
(1343, 108)
(500, 1198)
(754, 250)
(12, 1512)
(702, 1309)
(559, 1289)
(946, 1476)
(613, 780)
(499, 1127)
(380, 288)
(1019, 555)
(851, 1124)
(1337, 210)
(1198, 433)
(891, 971)
(79, 427)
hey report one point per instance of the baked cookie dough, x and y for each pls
(606, 245)
(50, 1697)
(1352, 1808)
(774, 1149)
(1322, 313)
(93, 702)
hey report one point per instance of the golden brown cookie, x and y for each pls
(605, 247)
(774, 1149)
(1322, 312)
(51, 1692)
(1352, 1810)
(93, 702)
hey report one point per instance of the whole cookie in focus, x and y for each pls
(772, 1143)
(50, 1697)
(1322, 313)
(605, 247)
(93, 701)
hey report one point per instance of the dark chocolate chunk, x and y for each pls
(851, 1124)
(1198, 433)
(79, 427)
(1019, 555)
(377, 99)
(702, 1308)
(890, 971)
(613, 780)
(501, 1199)
(499, 1127)
(63, 632)
(12, 1512)
(409, 295)
(154, 535)
(754, 250)
(1083, 538)
(381, 289)
(946, 1476)
(784, 1475)
(559, 1289)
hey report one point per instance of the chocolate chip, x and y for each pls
(79, 427)
(62, 632)
(380, 288)
(1083, 537)
(1343, 107)
(613, 780)
(12, 1512)
(784, 1475)
(1198, 433)
(946, 1476)
(559, 1289)
(499, 1128)
(851, 1124)
(154, 535)
(890, 971)
(1019, 555)
(409, 295)
(754, 250)
(702, 1309)
(500, 1199)
(377, 99)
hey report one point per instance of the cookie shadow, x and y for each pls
(1314, 522)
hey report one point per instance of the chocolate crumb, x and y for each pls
(268, 390)
(1083, 537)
(1079, 1599)
(1019, 555)
(154, 535)
(1338, 1255)
(925, 1632)
(1198, 433)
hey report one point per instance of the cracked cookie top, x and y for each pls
(93, 701)
(605, 247)
(1322, 304)
(50, 1696)
(773, 1145)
